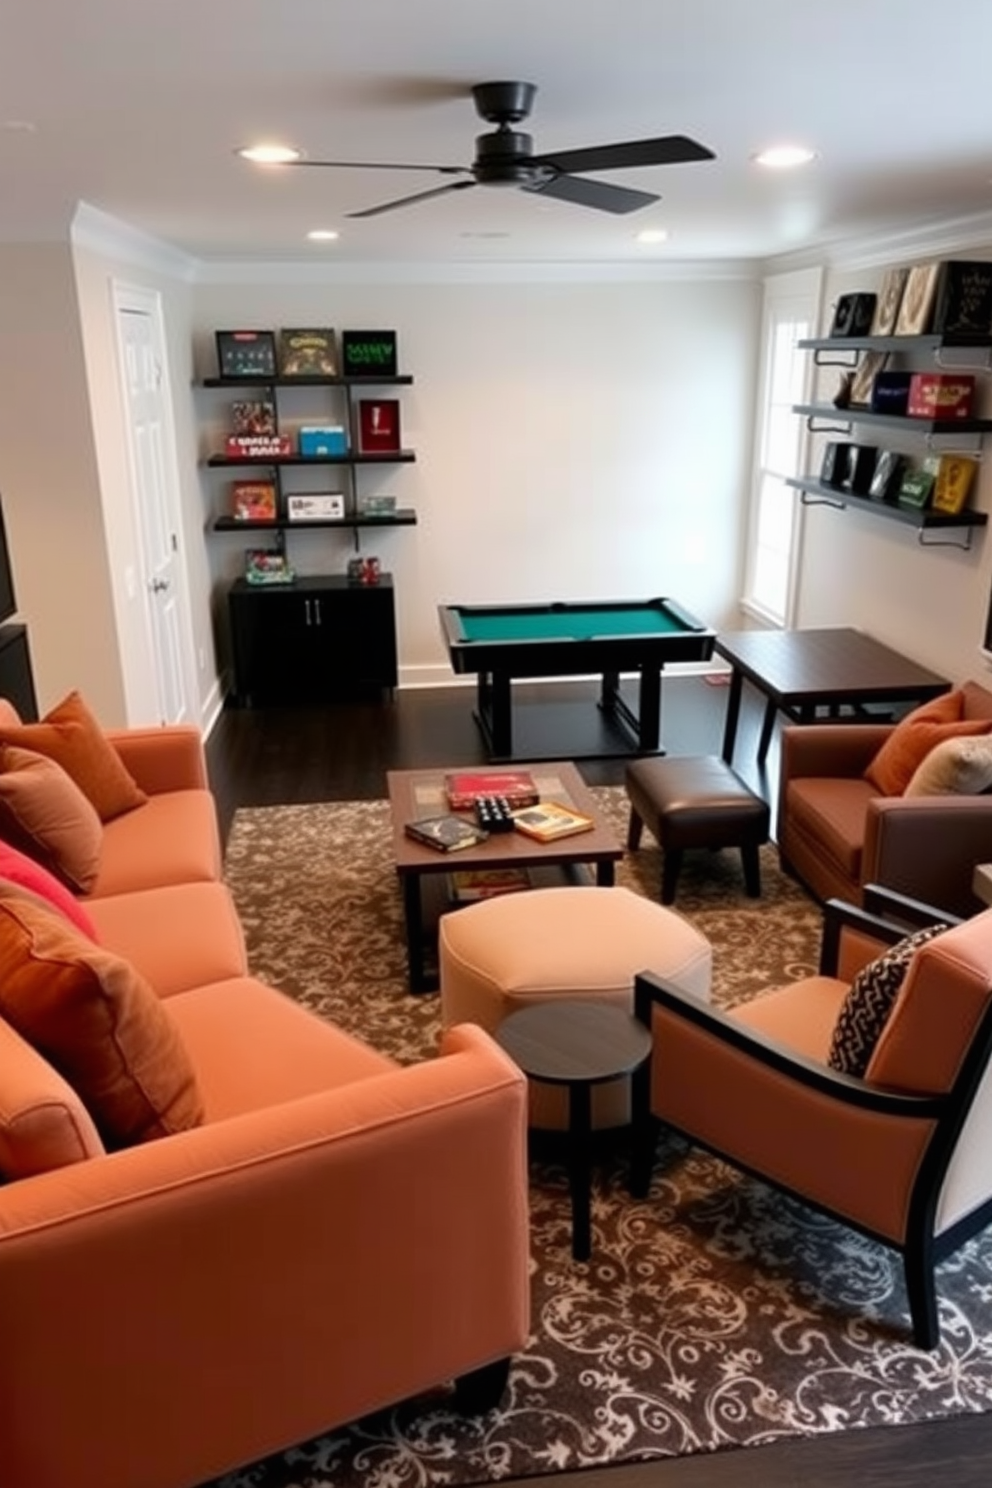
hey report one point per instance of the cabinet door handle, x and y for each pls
(316, 610)
(306, 605)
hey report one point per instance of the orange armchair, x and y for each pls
(837, 833)
(900, 1154)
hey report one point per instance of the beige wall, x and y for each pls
(49, 481)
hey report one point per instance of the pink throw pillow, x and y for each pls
(16, 867)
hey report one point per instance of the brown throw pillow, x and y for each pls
(71, 736)
(913, 738)
(97, 1022)
(46, 815)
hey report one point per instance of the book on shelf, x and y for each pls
(469, 885)
(368, 353)
(253, 501)
(257, 446)
(267, 566)
(378, 425)
(247, 354)
(308, 353)
(464, 788)
(445, 833)
(550, 820)
(253, 416)
(953, 482)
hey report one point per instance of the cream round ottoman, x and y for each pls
(516, 949)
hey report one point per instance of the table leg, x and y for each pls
(580, 1166)
(733, 714)
(771, 708)
(414, 915)
(649, 734)
(501, 717)
(605, 874)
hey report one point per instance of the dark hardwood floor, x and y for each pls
(270, 756)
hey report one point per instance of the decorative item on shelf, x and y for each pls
(364, 570)
(860, 469)
(853, 315)
(248, 354)
(307, 353)
(324, 439)
(917, 481)
(253, 501)
(889, 299)
(378, 425)
(963, 302)
(871, 363)
(316, 506)
(842, 396)
(254, 416)
(955, 477)
(888, 473)
(267, 566)
(916, 308)
(890, 393)
(941, 395)
(368, 353)
(258, 446)
(377, 506)
(835, 462)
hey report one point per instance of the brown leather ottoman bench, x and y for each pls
(695, 801)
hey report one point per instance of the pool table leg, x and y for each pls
(645, 724)
(493, 712)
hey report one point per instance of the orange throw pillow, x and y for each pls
(46, 815)
(97, 1022)
(71, 736)
(913, 738)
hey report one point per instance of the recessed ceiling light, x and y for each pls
(270, 154)
(323, 235)
(784, 157)
(653, 235)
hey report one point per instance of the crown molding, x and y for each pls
(99, 232)
(882, 250)
(296, 272)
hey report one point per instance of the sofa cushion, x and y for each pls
(45, 814)
(954, 767)
(172, 839)
(43, 1123)
(831, 812)
(96, 1021)
(866, 1007)
(16, 867)
(254, 1047)
(912, 739)
(71, 736)
(178, 936)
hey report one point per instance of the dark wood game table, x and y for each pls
(801, 672)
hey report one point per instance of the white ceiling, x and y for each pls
(137, 106)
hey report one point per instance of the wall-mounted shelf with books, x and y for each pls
(402, 517)
(845, 349)
(818, 493)
(827, 416)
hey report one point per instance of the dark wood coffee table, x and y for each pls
(585, 858)
(577, 1044)
(801, 671)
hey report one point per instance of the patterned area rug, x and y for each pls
(714, 1314)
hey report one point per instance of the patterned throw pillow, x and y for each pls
(869, 1001)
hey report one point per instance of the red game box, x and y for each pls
(941, 395)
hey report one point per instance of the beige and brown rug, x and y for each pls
(714, 1314)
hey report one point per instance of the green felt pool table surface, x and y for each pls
(569, 622)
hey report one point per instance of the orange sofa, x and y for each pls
(339, 1234)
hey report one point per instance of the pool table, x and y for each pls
(502, 643)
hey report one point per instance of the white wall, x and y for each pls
(573, 439)
(872, 573)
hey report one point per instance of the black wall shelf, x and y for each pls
(400, 380)
(832, 415)
(403, 517)
(925, 521)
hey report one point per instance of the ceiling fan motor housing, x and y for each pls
(503, 158)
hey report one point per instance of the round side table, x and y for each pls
(578, 1045)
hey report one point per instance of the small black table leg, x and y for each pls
(414, 916)
(649, 709)
(771, 708)
(501, 715)
(580, 1166)
(733, 714)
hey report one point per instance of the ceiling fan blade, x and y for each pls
(407, 201)
(444, 170)
(672, 149)
(601, 195)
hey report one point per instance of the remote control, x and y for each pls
(493, 814)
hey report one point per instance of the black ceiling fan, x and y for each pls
(505, 157)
